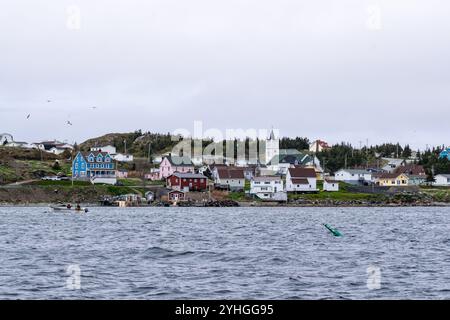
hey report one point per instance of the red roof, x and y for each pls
(226, 173)
(302, 172)
(411, 169)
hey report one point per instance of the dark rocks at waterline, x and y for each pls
(216, 203)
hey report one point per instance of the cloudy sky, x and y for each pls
(346, 70)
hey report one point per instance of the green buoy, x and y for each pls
(335, 232)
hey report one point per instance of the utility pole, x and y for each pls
(149, 151)
(71, 163)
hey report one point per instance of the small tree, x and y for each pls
(56, 166)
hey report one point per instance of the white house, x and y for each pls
(392, 164)
(18, 144)
(330, 185)
(57, 150)
(301, 180)
(353, 176)
(269, 188)
(442, 180)
(123, 157)
(230, 178)
(38, 146)
(109, 148)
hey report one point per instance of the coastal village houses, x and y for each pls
(330, 185)
(353, 176)
(171, 164)
(268, 188)
(301, 180)
(392, 179)
(176, 195)
(98, 167)
(187, 182)
(442, 180)
(230, 179)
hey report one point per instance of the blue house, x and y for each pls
(445, 154)
(93, 164)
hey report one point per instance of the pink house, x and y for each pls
(171, 164)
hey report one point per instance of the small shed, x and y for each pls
(330, 185)
(176, 195)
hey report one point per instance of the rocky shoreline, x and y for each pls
(230, 203)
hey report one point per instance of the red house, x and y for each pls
(187, 182)
(176, 195)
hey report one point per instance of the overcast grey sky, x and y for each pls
(337, 70)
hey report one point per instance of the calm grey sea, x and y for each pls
(225, 253)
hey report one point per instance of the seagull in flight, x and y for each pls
(28, 116)
(49, 100)
(69, 123)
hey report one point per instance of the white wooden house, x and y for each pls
(269, 188)
(301, 180)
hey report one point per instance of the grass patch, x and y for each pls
(130, 182)
(60, 183)
(117, 191)
(237, 196)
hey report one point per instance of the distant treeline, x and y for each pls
(344, 155)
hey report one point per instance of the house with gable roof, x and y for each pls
(98, 167)
(301, 180)
(171, 164)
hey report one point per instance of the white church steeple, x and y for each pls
(272, 146)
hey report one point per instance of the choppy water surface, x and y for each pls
(225, 253)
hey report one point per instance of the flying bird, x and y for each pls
(49, 100)
(69, 123)
(28, 116)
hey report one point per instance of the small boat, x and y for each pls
(65, 208)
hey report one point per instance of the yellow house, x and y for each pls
(392, 179)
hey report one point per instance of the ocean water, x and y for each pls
(225, 253)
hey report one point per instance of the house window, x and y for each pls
(76, 165)
(107, 159)
(91, 159)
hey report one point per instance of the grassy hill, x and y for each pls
(137, 142)
(18, 164)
